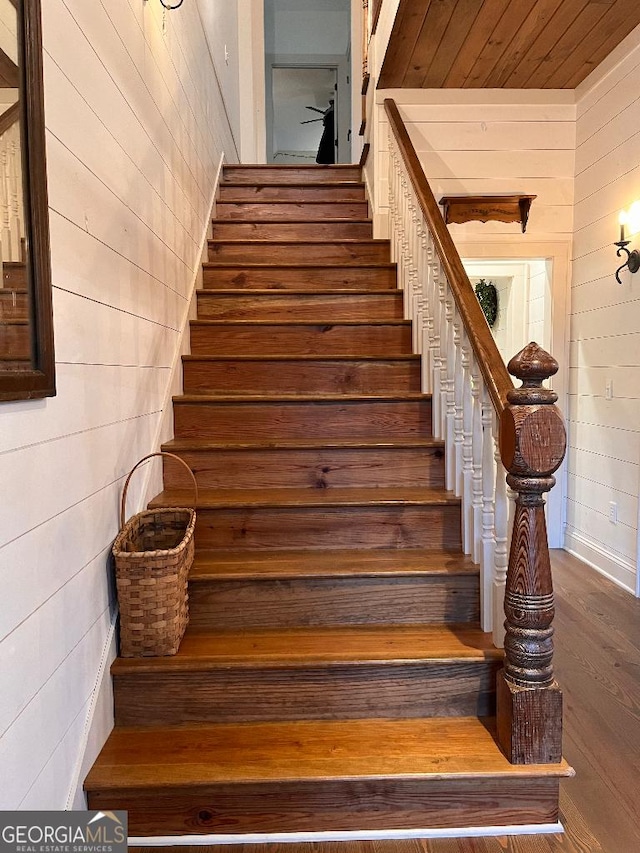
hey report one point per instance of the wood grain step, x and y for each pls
(322, 518)
(15, 275)
(296, 174)
(239, 418)
(303, 277)
(345, 252)
(302, 192)
(286, 589)
(15, 339)
(329, 775)
(336, 229)
(14, 304)
(304, 464)
(298, 210)
(294, 305)
(352, 339)
(346, 672)
(299, 375)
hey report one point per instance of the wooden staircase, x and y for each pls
(334, 676)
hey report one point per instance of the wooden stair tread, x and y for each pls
(340, 220)
(310, 497)
(311, 357)
(294, 184)
(300, 398)
(235, 265)
(239, 565)
(248, 241)
(437, 748)
(178, 444)
(312, 167)
(311, 323)
(269, 291)
(357, 645)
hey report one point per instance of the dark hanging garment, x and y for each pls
(327, 149)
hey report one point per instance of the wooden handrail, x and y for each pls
(490, 362)
(9, 117)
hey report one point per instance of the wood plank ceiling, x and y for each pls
(503, 44)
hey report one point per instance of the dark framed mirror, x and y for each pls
(27, 364)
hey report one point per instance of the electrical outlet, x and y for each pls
(613, 512)
(608, 389)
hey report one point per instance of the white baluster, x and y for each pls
(426, 329)
(414, 281)
(487, 564)
(458, 397)
(467, 448)
(404, 246)
(450, 399)
(434, 335)
(477, 391)
(15, 227)
(4, 198)
(501, 556)
(443, 286)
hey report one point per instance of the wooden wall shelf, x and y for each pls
(487, 208)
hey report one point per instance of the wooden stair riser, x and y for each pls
(295, 210)
(309, 468)
(304, 231)
(249, 421)
(334, 805)
(15, 275)
(290, 174)
(357, 252)
(336, 339)
(297, 194)
(329, 527)
(279, 306)
(314, 279)
(15, 339)
(220, 605)
(249, 376)
(240, 694)
(14, 305)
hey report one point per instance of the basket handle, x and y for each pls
(138, 464)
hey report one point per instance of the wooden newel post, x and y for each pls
(532, 447)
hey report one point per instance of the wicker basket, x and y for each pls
(153, 555)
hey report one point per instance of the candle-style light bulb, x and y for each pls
(622, 219)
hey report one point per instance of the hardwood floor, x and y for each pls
(598, 666)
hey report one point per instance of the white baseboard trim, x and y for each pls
(75, 795)
(602, 561)
(355, 835)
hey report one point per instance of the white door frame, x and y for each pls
(557, 319)
(342, 102)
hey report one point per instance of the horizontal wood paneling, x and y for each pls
(53, 711)
(605, 322)
(493, 148)
(136, 128)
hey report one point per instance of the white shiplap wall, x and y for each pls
(136, 129)
(491, 143)
(605, 322)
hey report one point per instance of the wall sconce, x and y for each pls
(170, 5)
(632, 220)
